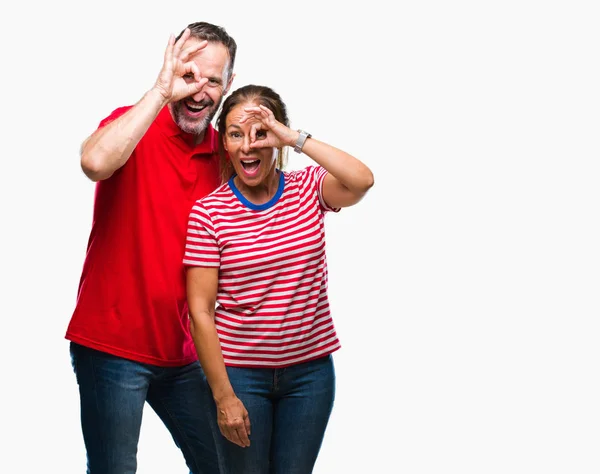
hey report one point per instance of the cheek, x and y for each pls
(266, 154)
(272, 154)
(233, 149)
(214, 93)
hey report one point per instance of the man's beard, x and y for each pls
(192, 126)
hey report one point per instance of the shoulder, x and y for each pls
(213, 201)
(115, 114)
(307, 174)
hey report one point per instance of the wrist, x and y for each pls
(223, 393)
(294, 138)
(157, 97)
(301, 140)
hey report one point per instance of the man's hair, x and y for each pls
(214, 34)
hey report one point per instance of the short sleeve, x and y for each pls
(115, 114)
(201, 244)
(319, 174)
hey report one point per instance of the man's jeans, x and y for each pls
(288, 409)
(113, 391)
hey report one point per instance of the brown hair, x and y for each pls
(261, 95)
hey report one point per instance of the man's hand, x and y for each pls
(180, 77)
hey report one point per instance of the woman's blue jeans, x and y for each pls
(289, 409)
(113, 391)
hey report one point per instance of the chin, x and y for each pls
(193, 126)
(250, 182)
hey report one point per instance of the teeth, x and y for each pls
(196, 109)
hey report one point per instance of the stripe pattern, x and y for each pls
(272, 306)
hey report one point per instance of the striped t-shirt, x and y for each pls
(272, 307)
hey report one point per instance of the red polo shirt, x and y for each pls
(131, 299)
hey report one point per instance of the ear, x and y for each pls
(229, 82)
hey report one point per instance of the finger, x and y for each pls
(192, 49)
(192, 67)
(267, 115)
(250, 114)
(230, 434)
(243, 435)
(267, 112)
(169, 50)
(261, 143)
(245, 118)
(255, 127)
(248, 425)
(180, 42)
(196, 70)
(252, 110)
(196, 86)
(234, 437)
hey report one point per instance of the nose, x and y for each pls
(246, 145)
(198, 96)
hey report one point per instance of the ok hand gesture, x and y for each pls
(180, 77)
(266, 131)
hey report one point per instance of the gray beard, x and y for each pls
(194, 128)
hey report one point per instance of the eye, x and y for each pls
(261, 134)
(214, 82)
(235, 135)
(189, 76)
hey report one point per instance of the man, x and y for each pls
(129, 333)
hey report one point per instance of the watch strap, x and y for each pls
(301, 140)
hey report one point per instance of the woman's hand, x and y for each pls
(233, 420)
(266, 131)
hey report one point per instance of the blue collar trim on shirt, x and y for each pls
(258, 207)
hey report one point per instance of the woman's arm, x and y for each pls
(348, 179)
(232, 416)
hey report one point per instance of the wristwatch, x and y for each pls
(301, 139)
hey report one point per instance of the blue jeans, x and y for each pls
(112, 393)
(289, 409)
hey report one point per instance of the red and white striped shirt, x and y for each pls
(272, 307)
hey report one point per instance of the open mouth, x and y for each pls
(250, 166)
(195, 108)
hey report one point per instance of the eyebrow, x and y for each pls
(215, 79)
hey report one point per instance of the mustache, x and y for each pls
(204, 102)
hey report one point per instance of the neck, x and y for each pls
(262, 192)
(190, 138)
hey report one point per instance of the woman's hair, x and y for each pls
(259, 95)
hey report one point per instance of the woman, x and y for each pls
(257, 286)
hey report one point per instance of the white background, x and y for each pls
(465, 286)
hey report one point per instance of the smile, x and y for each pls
(250, 166)
(194, 109)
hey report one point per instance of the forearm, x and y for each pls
(208, 348)
(348, 170)
(110, 147)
